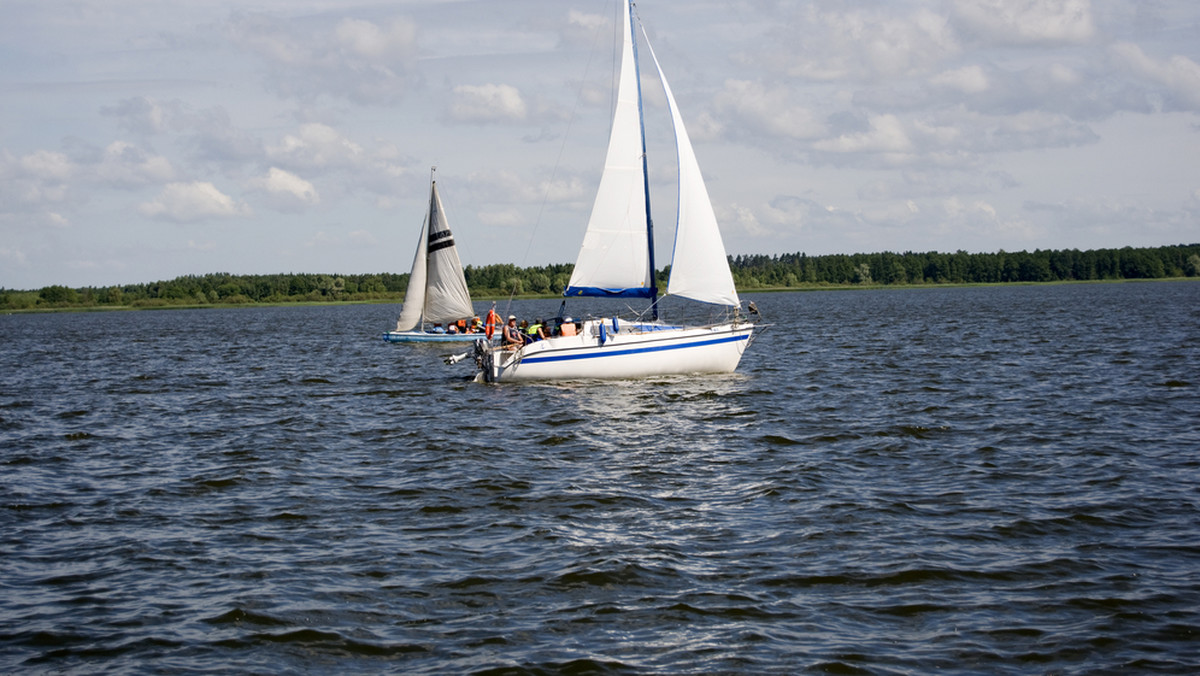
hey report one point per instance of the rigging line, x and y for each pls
(557, 160)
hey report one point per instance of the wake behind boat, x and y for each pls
(616, 260)
(437, 305)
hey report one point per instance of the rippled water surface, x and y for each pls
(998, 480)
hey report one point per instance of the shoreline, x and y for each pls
(399, 299)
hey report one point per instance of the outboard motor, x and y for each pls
(484, 360)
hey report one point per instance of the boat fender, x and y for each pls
(603, 336)
(616, 328)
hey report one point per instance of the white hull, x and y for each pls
(635, 351)
(423, 337)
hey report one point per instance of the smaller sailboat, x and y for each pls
(437, 297)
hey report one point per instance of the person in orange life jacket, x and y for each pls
(568, 327)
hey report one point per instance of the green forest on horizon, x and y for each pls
(750, 272)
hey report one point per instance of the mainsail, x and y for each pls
(437, 291)
(617, 252)
(614, 259)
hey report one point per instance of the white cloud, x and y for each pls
(589, 23)
(503, 218)
(31, 182)
(392, 43)
(195, 201)
(758, 109)
(287, 191)
(1178, 74)
(852, 44)
(968, 79)
(125, 165)
(140, 114)
(47, 165)
(317, 146)
(1027, 21)
(886, 135)
(362, 61)
(487, 103)
(744, 219)
(280, 181)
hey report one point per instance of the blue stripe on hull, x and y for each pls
(598, 352)
(400, 337)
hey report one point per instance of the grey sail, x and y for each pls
(437, 290)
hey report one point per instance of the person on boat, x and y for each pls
(512, 334)
(568, 327)
(536, 331)
(452, 328)
(476, 325)
(438, 328)
(462, 326)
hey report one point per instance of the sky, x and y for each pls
(143, 140)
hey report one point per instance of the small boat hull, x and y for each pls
(422, 337)
(631, 351)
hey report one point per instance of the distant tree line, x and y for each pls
(783, 271)
(791, 270)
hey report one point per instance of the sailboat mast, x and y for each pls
(645, 166)
(428, 228)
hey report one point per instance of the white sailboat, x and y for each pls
(616, 260)
(437, 290)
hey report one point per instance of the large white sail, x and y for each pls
(446, 296)
(699, 265)
(614, 258)
(414, 295)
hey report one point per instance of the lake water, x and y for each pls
(963, 480)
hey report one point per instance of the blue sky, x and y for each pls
(142, 140)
